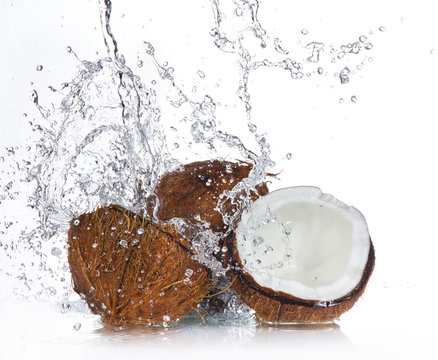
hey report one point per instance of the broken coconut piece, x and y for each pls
(132, 271)
(301, 256)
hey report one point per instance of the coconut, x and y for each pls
(193, 192)
(132, 271)
(301, 256)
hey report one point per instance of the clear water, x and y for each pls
(105, 140)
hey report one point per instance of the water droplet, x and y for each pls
(166, 318)
(382, 29)
(34, 96)
(140, 231)
(140, 63)
(39, 68)
(269, 217)
(77, 326)
(354, 99)
(258, 240)
(343, 75)
(69, 49)
(287, 228)
(187, 281)
(268, 249)
(320, 70)
(368, 46)
(56, 251)
(341, 100)
(201, 74)
(288, 156)
(362, 38)
(149, 48)
(76, 222)
(278, 47)
(189, 272)
(123, 243)
(304, 31)
(65, 307)
(317, 48)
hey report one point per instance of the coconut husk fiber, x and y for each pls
(132, 271)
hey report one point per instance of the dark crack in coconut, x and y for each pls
(131, 271)
(301, 256)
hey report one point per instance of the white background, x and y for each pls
(379, 154)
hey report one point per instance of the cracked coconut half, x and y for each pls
(131, 271)
(301, 256)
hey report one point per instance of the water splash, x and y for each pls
(110, 138)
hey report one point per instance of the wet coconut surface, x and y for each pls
(197, 193)
(303, 78)
(132, 271)
(110, 141)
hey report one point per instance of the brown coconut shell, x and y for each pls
(277, 307)
(193, 192)
(132, 276)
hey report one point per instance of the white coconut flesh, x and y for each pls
(302, 242)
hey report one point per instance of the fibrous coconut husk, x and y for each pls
(132, 271)
(193, 192)
(277, 307)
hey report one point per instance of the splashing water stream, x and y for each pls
(107, 142)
